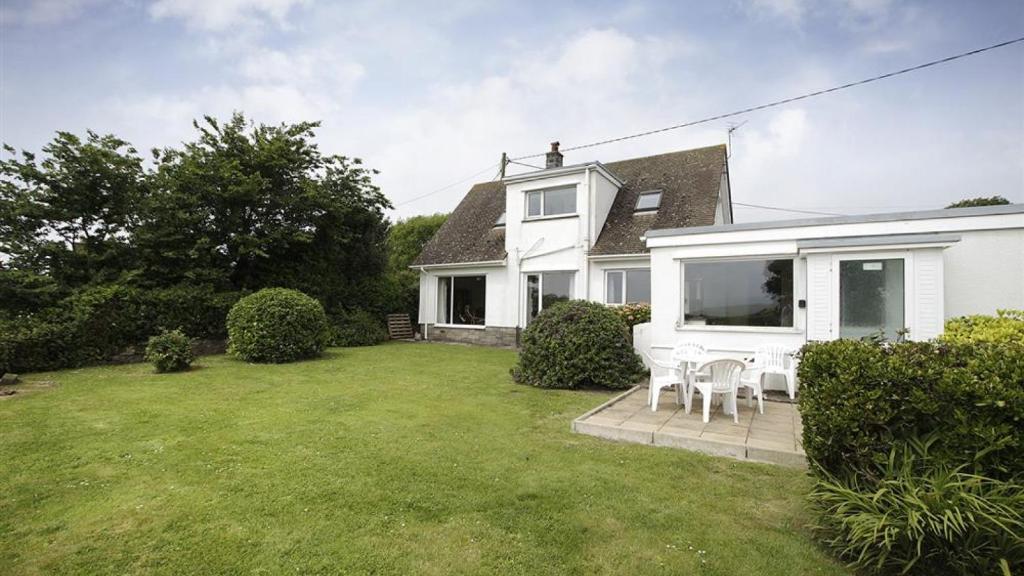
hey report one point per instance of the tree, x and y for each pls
(246, 207)
(981, 201)
(70, 216)
(405, 242)
(407, 238)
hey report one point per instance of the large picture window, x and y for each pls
(546, 288)
(738, 293)
(628, 286)
(462, 300)
(553, 202)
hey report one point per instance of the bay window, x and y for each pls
(738, 293)
(629, 286)
(461, 300)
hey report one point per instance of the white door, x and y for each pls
(872, 294)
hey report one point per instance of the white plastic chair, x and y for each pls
(683, 360)
(770, 359)
(672, 378)
(717, 377)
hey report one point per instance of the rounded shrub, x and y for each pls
(357, 328)
(577, 344)
(170, 351)
(277, 325)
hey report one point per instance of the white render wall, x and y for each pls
(499, 294)
(982, 272)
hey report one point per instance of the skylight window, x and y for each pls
(648, 201)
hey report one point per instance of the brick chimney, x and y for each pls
(554, 158)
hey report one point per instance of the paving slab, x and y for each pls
(772, 437)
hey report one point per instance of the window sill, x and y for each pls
(552, 217)
(748, 329)
(467, 326)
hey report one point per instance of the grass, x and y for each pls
(396, 459)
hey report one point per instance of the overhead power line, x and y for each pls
(732, 114)
(443, 188)
(786, 100)
(762, 207)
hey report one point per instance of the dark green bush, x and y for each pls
(357, 328)
(577, 344)
(170, 351)
(197, 310)
(922, 517)
(29, 345)
(277, 325)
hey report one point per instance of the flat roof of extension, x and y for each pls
(832, 220)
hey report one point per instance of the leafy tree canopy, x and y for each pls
(981, 201)
(71, 215)
(241, 207)
(407, 238)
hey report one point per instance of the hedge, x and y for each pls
(99, 322)
(858, 398)
(357, 328)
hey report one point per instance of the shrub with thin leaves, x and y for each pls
(922, 517)
(170, 351)
(577, 344)
(277, 325)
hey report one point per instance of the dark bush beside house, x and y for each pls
(887, 505)
(170, 351)
(577, 344)
(277, 325)
(357, 328)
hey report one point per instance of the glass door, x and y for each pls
(872, 297)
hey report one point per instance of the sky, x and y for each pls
(431, 93)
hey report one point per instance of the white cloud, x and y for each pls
(221, 15)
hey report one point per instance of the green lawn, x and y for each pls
(396, 459)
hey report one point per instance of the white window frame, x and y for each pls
(907, 256)
(681, 324)
(451, 301)
(544, 203)
(540, 290)
(625, 283)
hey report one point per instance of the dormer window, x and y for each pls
(500, 221)
(648, 201)
(551, 202)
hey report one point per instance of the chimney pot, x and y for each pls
(553, 159)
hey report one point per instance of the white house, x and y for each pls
(514, 246)
(659, 229)
(734, 287)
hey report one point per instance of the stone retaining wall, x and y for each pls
(488, 336)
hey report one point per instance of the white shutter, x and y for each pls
(819, 297)
(927, 294)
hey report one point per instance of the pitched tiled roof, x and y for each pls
(469, 235)
(688, 180)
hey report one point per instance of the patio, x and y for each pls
(772, 437)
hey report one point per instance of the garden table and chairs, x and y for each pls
(691, 367)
